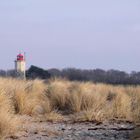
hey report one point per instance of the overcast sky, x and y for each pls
(85, 34)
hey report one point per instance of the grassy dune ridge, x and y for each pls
(82, 101)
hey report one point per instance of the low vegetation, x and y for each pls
(58, 99)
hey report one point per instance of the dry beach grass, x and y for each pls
(52, 101)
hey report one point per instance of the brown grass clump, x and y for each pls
(30, 99)
(9, 124)
(57, 92)
(20, 97)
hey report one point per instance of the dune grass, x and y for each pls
(99, 101)
(51, 101)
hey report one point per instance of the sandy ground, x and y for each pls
(37, 130)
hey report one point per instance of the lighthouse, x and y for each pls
(20, 66)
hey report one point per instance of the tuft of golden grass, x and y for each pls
(20, 97)
(9, 124)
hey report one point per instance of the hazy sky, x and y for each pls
(85, 34)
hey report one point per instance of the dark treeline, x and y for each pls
(98, 76)
(95, 75)
(8, 73)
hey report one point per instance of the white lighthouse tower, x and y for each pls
(20, 66)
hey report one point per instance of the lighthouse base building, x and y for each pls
(20, 66)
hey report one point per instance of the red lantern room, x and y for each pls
(20, 57)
